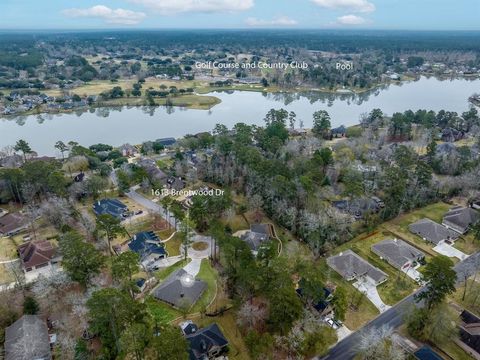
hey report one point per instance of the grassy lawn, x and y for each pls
(472, 295)
(6, 276)
(173, 245)
(161, 312)
(398, 284)
(466, 244)
(453, 351)
(200, 246)
(210, 276)
(8, 248)
(163, 274)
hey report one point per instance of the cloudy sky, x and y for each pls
(367, 14)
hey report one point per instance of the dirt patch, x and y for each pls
(200, 246)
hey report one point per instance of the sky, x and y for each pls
(317, 14)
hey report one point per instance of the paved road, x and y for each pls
(150, 205)
(395, 316)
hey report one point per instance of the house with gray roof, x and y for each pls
(432, 232)
(353, 267)
(460, 219)
(398, 253)
(207, 343)
(180, 289)
(27, 339)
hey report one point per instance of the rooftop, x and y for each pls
(205, 339)
(351, 266)
(397, 252)
(460, 218)
(33, 254)
(112, 207)
(432, 231)
(180, 289)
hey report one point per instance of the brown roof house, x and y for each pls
(39, 258)
(12, 224)
(27, 339)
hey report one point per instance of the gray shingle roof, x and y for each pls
(172, 290)
(432, 231)
(397, 252)
(460, 218)
(27, 339)
(351, 266)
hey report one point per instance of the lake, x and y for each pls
(134, 125)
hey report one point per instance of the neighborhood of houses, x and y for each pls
(182, 288)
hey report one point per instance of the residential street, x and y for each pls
(395, 316)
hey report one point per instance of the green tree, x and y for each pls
(170, 344)
(124, 266)
(110, 312)
(110, 227)
(24, 147)
(62, 147)
(81, 260)
(440, 278)
(476, 230)
(321, 123)
(30, 306)
(340, 303)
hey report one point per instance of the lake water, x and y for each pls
(117, 126)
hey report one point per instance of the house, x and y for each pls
(426, 353)
(340, 131)
(175, 183)
(398, 253)
(166, 141)
(257, 236)
(357, 207)
(432, 232)
(148, 246)
(113, 207)
(38, 258)
(451, 135)
(12, 224)
(11, 161)
(188, 327)
(128, 150)
(470, 332)
(180, 289)
(207, 343)
(352, 267)
(460, 219)
(152, 170)
(27, 339)
(322, 306)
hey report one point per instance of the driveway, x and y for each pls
(412, 273)
(193, 267)
(448, 250)
(370, 291)
(343, 332)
